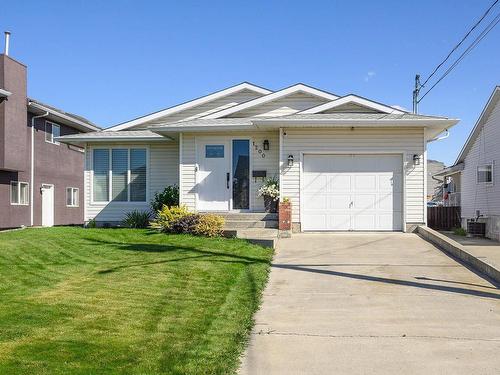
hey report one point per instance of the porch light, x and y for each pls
(266, 145)
(416, 159)
(290, 160)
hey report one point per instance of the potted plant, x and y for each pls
(270, 191)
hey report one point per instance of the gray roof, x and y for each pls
(357, 116)
(126, 135)
(207, 122)
(76, 117)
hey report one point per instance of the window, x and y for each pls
(72, 197)
(119, 173)
(485, 174)
(19, 193)
(214, 151)
(52, 131)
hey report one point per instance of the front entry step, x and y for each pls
(264, 237)
(241, 224)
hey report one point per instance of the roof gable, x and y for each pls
(493, 101)
(154, 118)
(295, 89)
(353, 100)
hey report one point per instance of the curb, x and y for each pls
(458, 251)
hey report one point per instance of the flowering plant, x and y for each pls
(270, 188)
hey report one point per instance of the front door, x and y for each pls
(214, 174)
(47, 205)
(241, 173)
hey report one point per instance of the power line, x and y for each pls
(461, 41)
(476, 41)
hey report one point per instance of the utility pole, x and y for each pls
(416, 92)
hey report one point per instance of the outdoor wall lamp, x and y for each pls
(416, 159)
(290, 160)
(266, 145)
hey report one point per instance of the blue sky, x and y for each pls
(115, 60)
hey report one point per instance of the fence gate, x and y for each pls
(443, 218)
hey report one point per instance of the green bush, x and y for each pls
(185, 224)
(209, 225)
(459, 231)
(168, 197)
(91, 224)
(167, 216)
(137, 219)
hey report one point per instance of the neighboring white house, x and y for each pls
(474, 180)
(346, 163)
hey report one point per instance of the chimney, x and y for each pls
(7, 42)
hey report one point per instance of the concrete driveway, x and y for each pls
(373, 304)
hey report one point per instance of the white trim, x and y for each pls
(180, 169)
(280, 164)
(73, 189)
(356, 152)
(425, 177)
(18, 183)
(486, 164)
(52, 125)
(190, 104)
(110, 175)
(352, 99)
(270, 97)
(5, 93)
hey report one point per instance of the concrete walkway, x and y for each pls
(373, 304)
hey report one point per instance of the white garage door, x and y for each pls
(352, 192)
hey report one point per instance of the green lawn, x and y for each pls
(125, 301)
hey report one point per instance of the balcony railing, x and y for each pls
(453, 200)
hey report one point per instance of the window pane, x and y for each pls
(101, 175)
(48, 131)
(484, 174)
(14, 193)
(68, 197)
(119, 176)
(76, 193)
(24, 193)
(214, 151)
(137, 175)
(56, 131)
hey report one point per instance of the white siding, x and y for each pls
(268, 163)
(284, 106)
(350, 107)
(163, 170)
(204, 109)
(485, 149)
(410, 141)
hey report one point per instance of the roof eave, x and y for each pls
(65, 119)
(4, 93)
(84, 140)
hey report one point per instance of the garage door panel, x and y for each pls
(352, 192)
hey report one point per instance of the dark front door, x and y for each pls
(241, 174)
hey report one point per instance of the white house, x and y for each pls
(474, 181)
(346, 163)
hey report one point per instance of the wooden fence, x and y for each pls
(443, 218)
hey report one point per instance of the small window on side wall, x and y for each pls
(19, 193)
(52, 131)
(485, 174)
(72, 197)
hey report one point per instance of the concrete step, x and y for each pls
(251, 224)
(264, 237)
(245, 216)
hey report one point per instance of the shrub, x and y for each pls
(91, 224)
(270, 188)
(209, 225)
(137, 219)
(167, 216)
(459, 231)
(185, 224)
(168, 197)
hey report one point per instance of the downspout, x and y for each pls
(32, 182)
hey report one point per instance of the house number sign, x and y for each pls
(259, 150)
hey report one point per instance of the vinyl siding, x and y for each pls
(283, 106)
(484, 150)
(204, 109)
(163, 170)
(350, 107)
(359, 140)
(268, 163)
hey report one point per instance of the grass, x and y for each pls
(125, 301)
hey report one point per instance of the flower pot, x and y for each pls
(270, 204)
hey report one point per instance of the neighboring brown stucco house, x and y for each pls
(50, 193)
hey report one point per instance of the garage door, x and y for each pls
(352, 192)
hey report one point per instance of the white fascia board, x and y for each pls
(447, 123)
(270, 97)
(190, 104)
(75, 122)
(479, 124)
(212, 128)
(353, 99)
(5, 93)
